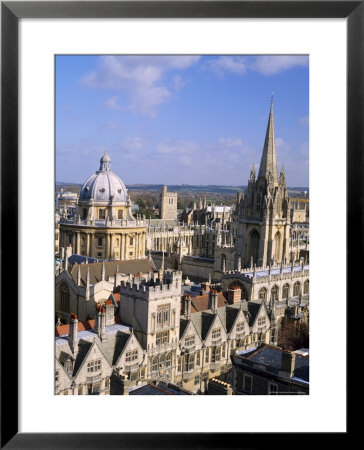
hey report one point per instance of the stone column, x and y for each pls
(88, 244)
(106, 245)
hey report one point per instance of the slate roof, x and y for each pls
(272, 356)
(131, 266)
(152, 389)
(227, 313)
(117, 336)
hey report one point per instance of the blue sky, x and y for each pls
(182, 119)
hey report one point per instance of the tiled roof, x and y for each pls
(82, 326)
(200, 303)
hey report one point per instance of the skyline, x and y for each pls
(176, 120)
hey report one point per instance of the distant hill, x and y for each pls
(183, 188)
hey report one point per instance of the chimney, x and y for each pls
(288, 363)
(205, 287)
(234, 295)
(213, 296)
(186, 305)
(100, 322)
(72, 335)
(109, 307)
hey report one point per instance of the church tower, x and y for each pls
(264, 222)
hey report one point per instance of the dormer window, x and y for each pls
(102, 190)
(216, 333)
(68, 367)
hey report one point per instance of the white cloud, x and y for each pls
(304, 121)
(282, 144)
(266, 65)
(232, 64)
(270, 65)
(142, 77)
(231, 142)
(111, 103)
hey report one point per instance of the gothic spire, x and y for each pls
(268, 162)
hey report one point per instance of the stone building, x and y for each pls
(155, 341)
(103, 225)
(263, 221)
(168, 204)
(268, 370)
(78, 289)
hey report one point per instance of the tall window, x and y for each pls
(254, 246)
(285, 291)
(162, 338)
(163, 316)
(263, 294)
(216, 333)
(189, 362)
(155, 364)
(99, 241)
(120, 214)
(169, 360)
(65, 298)
(296, 289)
(102, 213)
(306, 287)
(215, 354)
(277, 246)
(240, 327)
(207, 355)
(131, 241)
(84, 213)
(258, 202)
(198, 359)
(274, 293)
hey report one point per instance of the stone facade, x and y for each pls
(168, 205)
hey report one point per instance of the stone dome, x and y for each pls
(104, 186)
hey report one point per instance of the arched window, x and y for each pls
(155, 364)
(296, 289)
(254, 246)
(306, 287)
(274, 293)
(285, 291)
(262, 294)
(169, 360)
(69, 367)
(65, 298)
(277, 246)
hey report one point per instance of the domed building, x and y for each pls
(104, 226)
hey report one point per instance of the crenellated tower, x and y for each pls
(263, 211)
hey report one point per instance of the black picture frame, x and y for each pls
(11, 12)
